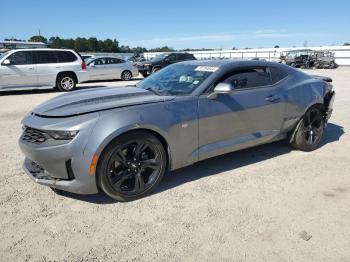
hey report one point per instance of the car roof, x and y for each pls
(230, 63)
(42, 49)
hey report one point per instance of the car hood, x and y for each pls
(94, 100)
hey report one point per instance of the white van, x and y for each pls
(46, 67)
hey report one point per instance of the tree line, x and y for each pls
(92, 44)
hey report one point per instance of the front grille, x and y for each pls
(35, 136)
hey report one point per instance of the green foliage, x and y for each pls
(162, 49)
(92, 44)
(38, 38)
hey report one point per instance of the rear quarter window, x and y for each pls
(277, 74)
(250, 78)
(66, 56)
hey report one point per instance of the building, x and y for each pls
(5, 45)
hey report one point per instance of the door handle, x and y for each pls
(31, 68)
(273, 98)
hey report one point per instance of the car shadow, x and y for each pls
(218, 164)
(239, 159)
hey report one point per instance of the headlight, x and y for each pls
(146, 64)
(62, 135)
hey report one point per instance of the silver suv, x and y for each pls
(60, 68)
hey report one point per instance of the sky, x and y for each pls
(182, 23)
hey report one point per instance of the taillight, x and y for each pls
(83, 66)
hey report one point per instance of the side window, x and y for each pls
(45, 57)
(171, 58)
(100, 61)
(181, 57)
(254, 77)
(114, 61)
(22, 58)
(189, 57)
(65, 56)
(111, 61)
(277, 74)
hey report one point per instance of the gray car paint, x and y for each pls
(193, 127)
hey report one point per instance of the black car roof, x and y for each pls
(230, 63)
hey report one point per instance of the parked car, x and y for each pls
(158, 62)
(324, 59)
(123, 140)
(60, 68)
(308, 58)
(299, 58)
(108, 68)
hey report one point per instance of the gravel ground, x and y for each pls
(268, 203)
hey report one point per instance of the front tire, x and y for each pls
(66, 82)
(131, 166)
(310, 130)
(155, 69)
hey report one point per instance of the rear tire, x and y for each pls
(126, 75)
(144, 74)
(310, 130)
(66, 82)
(131, 166)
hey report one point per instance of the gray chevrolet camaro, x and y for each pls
(123, 140)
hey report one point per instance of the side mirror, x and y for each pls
(221, 89)
(6, 62)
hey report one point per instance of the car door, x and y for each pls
(97, 69)
(251, 114)
(21, 72)
(115, 67)
(47, 67)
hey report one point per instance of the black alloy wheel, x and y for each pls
(133, 166)
(313, 126)
(310, 131)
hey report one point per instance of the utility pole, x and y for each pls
(39, 32)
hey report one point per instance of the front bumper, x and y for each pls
(144, 69)
(63, 166)
(42, 177)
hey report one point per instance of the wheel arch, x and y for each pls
(114, 136)
(291, 134)
(72, 73)
(157, 66)
(126, 70)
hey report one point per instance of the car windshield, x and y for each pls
(88, 60)
(178, 79)
(3, 54)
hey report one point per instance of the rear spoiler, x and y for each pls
(324, 78)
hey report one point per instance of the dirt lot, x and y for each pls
(251, 205)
